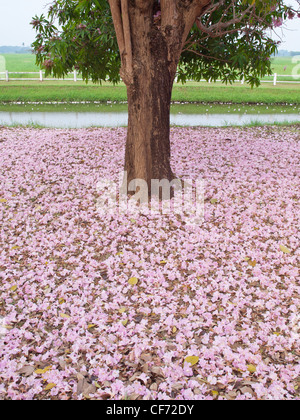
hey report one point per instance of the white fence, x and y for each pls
(74, 77)
(5, 76)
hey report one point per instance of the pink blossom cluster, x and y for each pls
(277, 22)
(213, 312)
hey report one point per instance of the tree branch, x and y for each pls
(169, 13)
(217, 29)
(127, 36)
(204, 55)
(196, 8)
(120, 14)
(115, 8)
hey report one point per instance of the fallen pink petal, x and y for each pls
(215, 311)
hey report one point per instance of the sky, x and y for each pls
(16, 15)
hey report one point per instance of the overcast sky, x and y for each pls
(15, 18)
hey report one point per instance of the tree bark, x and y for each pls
(148, 151)
(150, 52)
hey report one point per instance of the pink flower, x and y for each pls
(277, 22)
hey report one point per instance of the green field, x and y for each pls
(36, 91)
(26, 63)
(192, 92)
(20, 62)
(285, 65)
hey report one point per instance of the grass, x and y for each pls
(284, 65)
(187, 108)
(238, 94)
(68, 91)
(26, 63)
(192, 92)
(295, 126)
(20, 62)
(28, 125)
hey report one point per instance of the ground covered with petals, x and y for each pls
(213, 310)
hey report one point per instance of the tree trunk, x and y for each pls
(149, 99)
(148, 140)
(150, 46)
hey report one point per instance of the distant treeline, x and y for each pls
(28, 50)
(15, 50)
(285, 53)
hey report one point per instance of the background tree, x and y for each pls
(147, 43)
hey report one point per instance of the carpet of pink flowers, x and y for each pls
(215, 311)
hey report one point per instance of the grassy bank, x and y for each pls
(192, 92)
(293, 126)
(186, 108)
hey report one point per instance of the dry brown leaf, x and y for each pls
(154, 387)
(26, 370)
(247, 390)
(145, 368)
(147, 357)
(133, 397)
(177, 386)
(157, 371)
(231, 395)
(135, 376)
(85, 388)
(105, 396)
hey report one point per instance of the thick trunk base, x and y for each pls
(148, 150)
